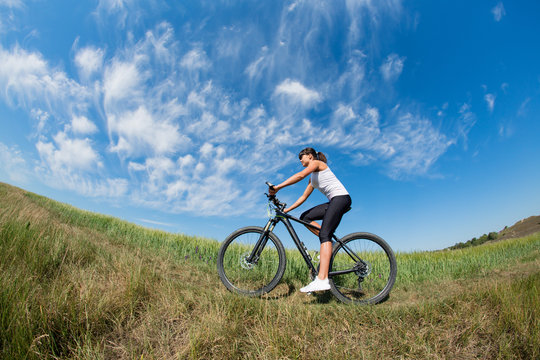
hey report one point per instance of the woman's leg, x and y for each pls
(332, 217)
(315, 213)
(315, 231)
(331, 214)
(324, 264)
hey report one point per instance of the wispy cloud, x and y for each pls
(122, 11)
(154, 222)
(89, 61)
(466, 121)
(12, 3)
(392, 67)
(523, 107)
(498, 11)
(408, 144)
(490, 101)
(195, 59)
(413, 145)
(298, 93)
(28, 81)
(14, 166)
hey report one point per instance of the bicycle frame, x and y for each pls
(285, 218)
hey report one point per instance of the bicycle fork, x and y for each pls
(253, 258)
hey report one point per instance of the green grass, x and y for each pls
(78, 285)
(472, 262)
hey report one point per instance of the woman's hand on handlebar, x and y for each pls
(272, 190)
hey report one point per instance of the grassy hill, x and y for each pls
(522, 228)
(74, 284)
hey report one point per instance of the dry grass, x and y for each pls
(80, 285)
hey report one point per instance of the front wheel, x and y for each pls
(249, 271)
(363, 269)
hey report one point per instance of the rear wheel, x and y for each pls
(252, 277)
(364, 268)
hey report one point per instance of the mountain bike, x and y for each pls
(252, 260)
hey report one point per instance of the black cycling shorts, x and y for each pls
(330, 213)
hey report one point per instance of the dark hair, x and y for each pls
(311, 151)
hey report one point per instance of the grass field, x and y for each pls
(74, 284)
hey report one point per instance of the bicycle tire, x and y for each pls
(244, 278)
(372, 279)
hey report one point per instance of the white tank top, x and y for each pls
(328, 183)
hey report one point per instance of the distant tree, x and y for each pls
(475, 241)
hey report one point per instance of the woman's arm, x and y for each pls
(301, 199)
(313, 166)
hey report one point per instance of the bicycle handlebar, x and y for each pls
(274, 199)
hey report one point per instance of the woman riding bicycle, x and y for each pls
(330, 213)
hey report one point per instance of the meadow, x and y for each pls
(79, 285)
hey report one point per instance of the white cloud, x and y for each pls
(406, 145)
(375, 9)
(413, 145)
(498, 11)
(12, 3)
(196, 59)
(106, 188)
(22, 74)
(296, 92)
(27, 81)
(81, 125)
(466, 121)
(112, 5)
(490, 101)
(352, 82)
(42, 117)
(523, 108)
(392, 67)
(351, 130)
(139, 132)
(71, 163)
(124, 11)
(255, 68)
(89, 61)
(194, 185)
(69, 154)
(160, 223)
(208, 126)
(122, 80)
(14, 166)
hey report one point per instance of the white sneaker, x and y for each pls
(316, 285)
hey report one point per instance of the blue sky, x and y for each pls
(173, 114)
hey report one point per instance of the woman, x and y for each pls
(339, 202)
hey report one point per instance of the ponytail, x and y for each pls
(316, 155)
